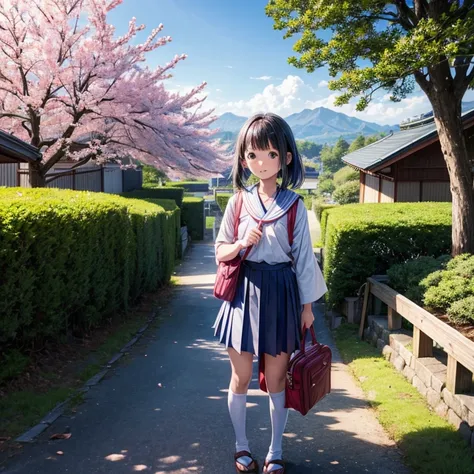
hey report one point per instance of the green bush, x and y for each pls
(365, 239)
(158, 193)
(347, 193)
(462, 311)
(319, 206)
(192, 216)
(345, 174)
(406, 277)
(307, 198)
(68, 259)
(222, 199)
(444, 288)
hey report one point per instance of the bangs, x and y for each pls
(260, 136)
(263, 132)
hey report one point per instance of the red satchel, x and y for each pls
(308, 378)
(227, 275)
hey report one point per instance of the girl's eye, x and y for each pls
(273, 155)
(251, 156)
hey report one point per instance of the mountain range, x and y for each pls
(320, 125)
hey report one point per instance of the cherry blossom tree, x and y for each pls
(74, 89)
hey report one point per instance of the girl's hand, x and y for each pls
(252, 238)
(307, 318)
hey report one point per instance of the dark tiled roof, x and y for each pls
(17, 149)
(387, 148)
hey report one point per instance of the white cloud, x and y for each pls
(262, 78)
(229, 67)
(285, 98)
(323, 84)
(292, 95)
(381, 111)
(218, 90)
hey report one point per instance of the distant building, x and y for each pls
(407, 166)
(15, 156)
(14, 152)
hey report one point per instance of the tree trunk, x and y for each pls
(37, 177)
(447, 113)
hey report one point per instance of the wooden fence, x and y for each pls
(426, 329)
(107, 179)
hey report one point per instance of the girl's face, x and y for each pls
(264, 164)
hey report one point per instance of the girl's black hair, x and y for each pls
(261, 132)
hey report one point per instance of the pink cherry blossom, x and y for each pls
(73, 88)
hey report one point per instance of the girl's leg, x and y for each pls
(237, 401)
(275, 375)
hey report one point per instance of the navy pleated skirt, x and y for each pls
(265, 315)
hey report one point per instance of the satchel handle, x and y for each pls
(313, 337)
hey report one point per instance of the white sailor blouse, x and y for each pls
(274, 247)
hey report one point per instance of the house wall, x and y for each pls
(8, 174)
(374, 189)
(421, 176)
(371, 190)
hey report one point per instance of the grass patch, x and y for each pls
(430, 443)
(22, 408)
(210, 222)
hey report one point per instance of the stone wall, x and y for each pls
(427, 374)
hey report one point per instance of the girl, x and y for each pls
(277, 283)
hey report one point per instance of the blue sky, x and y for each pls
(233, 47)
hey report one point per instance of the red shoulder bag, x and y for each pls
(227, 275)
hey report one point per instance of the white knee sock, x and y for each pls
(237, 403)
(279, 416)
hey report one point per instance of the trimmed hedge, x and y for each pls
(222, 199)
(191, 186)
(366, 239)
(158, 193)
(69, 259)
(174, 199)
(192, 215)
(319, 206)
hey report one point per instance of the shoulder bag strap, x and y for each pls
(291, 220)
(238, 209)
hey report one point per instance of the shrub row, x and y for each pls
(442, 285)
(158, 192)
(192, 209)
(366, 239)
(152, 195)
(192, 216)
(68, 259)
(222, 199)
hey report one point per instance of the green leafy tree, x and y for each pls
(340, 149)
(345, 174)
(359, 142)
(152, 175)
(347, 193)
(370, 45)
(308, 149)
(330, 160)
(370, 140)
(325, 186)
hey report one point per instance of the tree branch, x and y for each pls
(13, 116)
(72, 168)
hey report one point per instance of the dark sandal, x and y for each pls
(280, 462)
(252, 468)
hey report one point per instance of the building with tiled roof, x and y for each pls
(407, 165)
